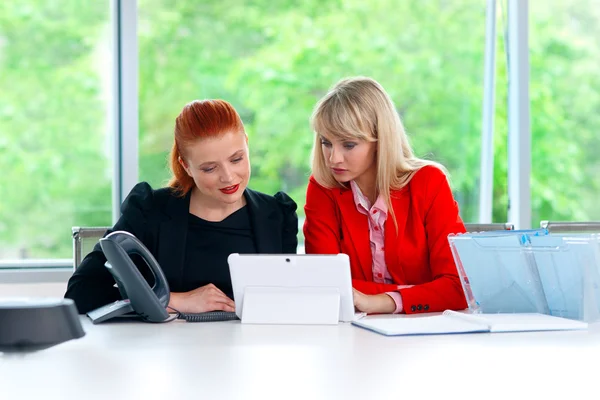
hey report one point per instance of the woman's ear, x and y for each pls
(184, 165)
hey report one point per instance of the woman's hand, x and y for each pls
(373, 304)
(205, 298)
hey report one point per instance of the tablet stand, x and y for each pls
(291, 305)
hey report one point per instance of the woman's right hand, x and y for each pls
(203, 299)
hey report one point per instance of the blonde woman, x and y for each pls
(371, 198)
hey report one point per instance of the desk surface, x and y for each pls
(228, 360)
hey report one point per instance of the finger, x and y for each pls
(222, 306)
(358, 299)
(230, 303)
(222, 298)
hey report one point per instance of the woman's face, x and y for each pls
(220, 166)
(349, 160)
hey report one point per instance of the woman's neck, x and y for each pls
(367, 184)
(212, 210)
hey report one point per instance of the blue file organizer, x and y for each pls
(530, 271)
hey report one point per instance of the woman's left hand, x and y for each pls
(373, 304)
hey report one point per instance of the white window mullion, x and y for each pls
(486, 181)
(519, 130)
(125, 95)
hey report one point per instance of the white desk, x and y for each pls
(228, 360)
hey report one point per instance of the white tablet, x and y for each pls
(292, 271)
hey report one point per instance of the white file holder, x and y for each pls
(555, 274)
(291, 305)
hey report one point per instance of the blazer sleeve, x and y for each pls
(441, 218)
(322, 226)
(369, 287)
(91, 285)
(289, 233)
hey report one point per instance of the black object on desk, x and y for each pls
(139, 299)
(210, 316)
(29, 324)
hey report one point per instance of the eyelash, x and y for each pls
(209, 170)
(347, 146)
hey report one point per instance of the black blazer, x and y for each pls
(160, 220)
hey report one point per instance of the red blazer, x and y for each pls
(418, 254)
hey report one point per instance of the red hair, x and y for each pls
(199, 119)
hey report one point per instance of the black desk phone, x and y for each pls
(139, 299)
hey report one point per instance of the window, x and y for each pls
(274, 60)
(565, 110)
(55, 158)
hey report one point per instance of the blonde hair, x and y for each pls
(359, 108)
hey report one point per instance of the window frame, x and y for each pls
(124, 119)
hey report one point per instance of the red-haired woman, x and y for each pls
(206, 213)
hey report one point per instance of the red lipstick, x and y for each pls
(230, 189)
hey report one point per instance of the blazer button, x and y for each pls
(419, 307)
(413, 308)
(426, 307)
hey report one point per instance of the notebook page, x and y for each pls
(523, 322)
(396, 325)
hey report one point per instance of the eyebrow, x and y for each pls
(342, 140)
(236, 154)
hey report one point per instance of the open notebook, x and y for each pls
(458, 322)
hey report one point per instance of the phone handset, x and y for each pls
(138, 298)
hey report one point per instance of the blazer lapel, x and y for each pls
(358, 224)
(172, 237)
(393, 239)
(265, 224)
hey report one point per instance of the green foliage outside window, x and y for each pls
(273, 60)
